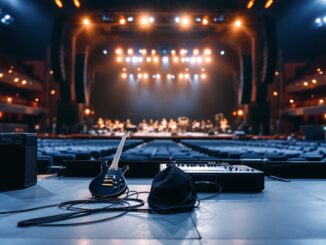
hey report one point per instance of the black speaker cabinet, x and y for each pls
(18, 161)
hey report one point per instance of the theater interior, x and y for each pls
(163, 122)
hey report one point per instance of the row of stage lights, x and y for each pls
(320, 21)
(197, 56)
(184, 21)
(181, 76)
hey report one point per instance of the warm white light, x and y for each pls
(124, 75)
(156, 59)
(207, 51)
(119, 59)
(205, 21)
(181, 76)
(130, 51)
(173, 52)
(153, 51)
(187, 76)
(118, 51)
(24, 82)
(158, 76)
(86, 21)
(122, 21)
(145, 75)
(148, 59)
(238, 23)
(195, 52)
(203, 76)
(185, 21)
(175, 59)
(169, 76)
(291, 101)
(139, 75)
(208, 60)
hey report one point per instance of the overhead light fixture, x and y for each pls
(77, 3)
(250, 4)
(59, 3)
(268, 3)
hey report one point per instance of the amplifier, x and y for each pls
(231, 178)
(18, 161)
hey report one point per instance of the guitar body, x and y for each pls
(109, 183)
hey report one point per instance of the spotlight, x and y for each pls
(183, 51)
(165, 59)
(122, 21)
(77, 3)
(153, 51)
(238, 23)
(195, 52)
(151, 19)
(205, 21)
(250, 4)
(187, 76)
(185, 22)
(222, 52)
(199, 60)
(119, 59)
(203, 76)
(118, 51)
(145, 21)
(130, 51)
(177, 19)
(134, 59)
(305, 84)
(158, 76)
(181, 76)
(143, 52)
(130, 19)
(240, 112)
(196, 76)
(140, 59)
(105, 52)
(318, 21)
(208, 60)
(145, 75)
(203, 69)
(173, 52)
(59, 3)
(156, 59)
(124, 69)
(128, 59)
(16, 80)
(86, 21)
(53, 92)
(138, 69)
(198, 19)
(140, 76)
(183, 60)
(192, 60)
(24, 82)
(268, 3)
(148, 59)
(87, 111)
(154, 76)
(275, 93)
(207, 51)
(1, 75)
(124, 75)
(314, 81)
(291, 101)
(169, 76)
(175, 59)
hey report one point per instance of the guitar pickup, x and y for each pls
(104, 184)
(108, 181)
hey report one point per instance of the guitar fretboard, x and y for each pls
(116, 159)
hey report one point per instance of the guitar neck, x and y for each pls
(115, 162)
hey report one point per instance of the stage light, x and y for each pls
(222, 52)
(187, 59)
(156, 59)
(10, 71)
(118, 51)
(138, 69)
(250, 4)
(151, 19)
(203, 69)
(318, 21)
(140, 76)
(187, 69)
(207, 51)
(181, 76)
(130, 51)
(291, 101)
(169, 76)
(1, 75)
(86, 21)
(153, 52)
(124, 69)
(134, 59)
(196, 76)
(195, 51)
(183, 60)
(144, 52)
(185, 22)
(9, 100)
(145, 75)
(240, 112)
(36, 100)
(165, 59)
(321, 101)
(183, 51)
(187, 76)
(177, 19)
(205, 21)
(140, 59)
(203, 76)
(87, 111)
(268, 3)
(305, 84)
(119, 59)
(198, 19)
(275, 93)
(53, 92)
(175, 59)
(324, 19)
(124, 75)
(76, 3)
(122, 21)
(16, 80)
(59, 3)
(148, 59)
(130, 19)
(238, 23)
(208, 60)
(105, 52)
(192, 59)
(158, 76)
(277, 73)
(314, 81)
(145, 21)
(24, 82)
(173, 52)
(199, 60)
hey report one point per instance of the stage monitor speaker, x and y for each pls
(80, 78)
(246, 79)
(18, 164)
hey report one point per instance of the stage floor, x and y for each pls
(285, 213)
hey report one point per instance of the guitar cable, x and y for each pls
(129, 203)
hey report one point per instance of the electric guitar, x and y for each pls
(111, 181)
